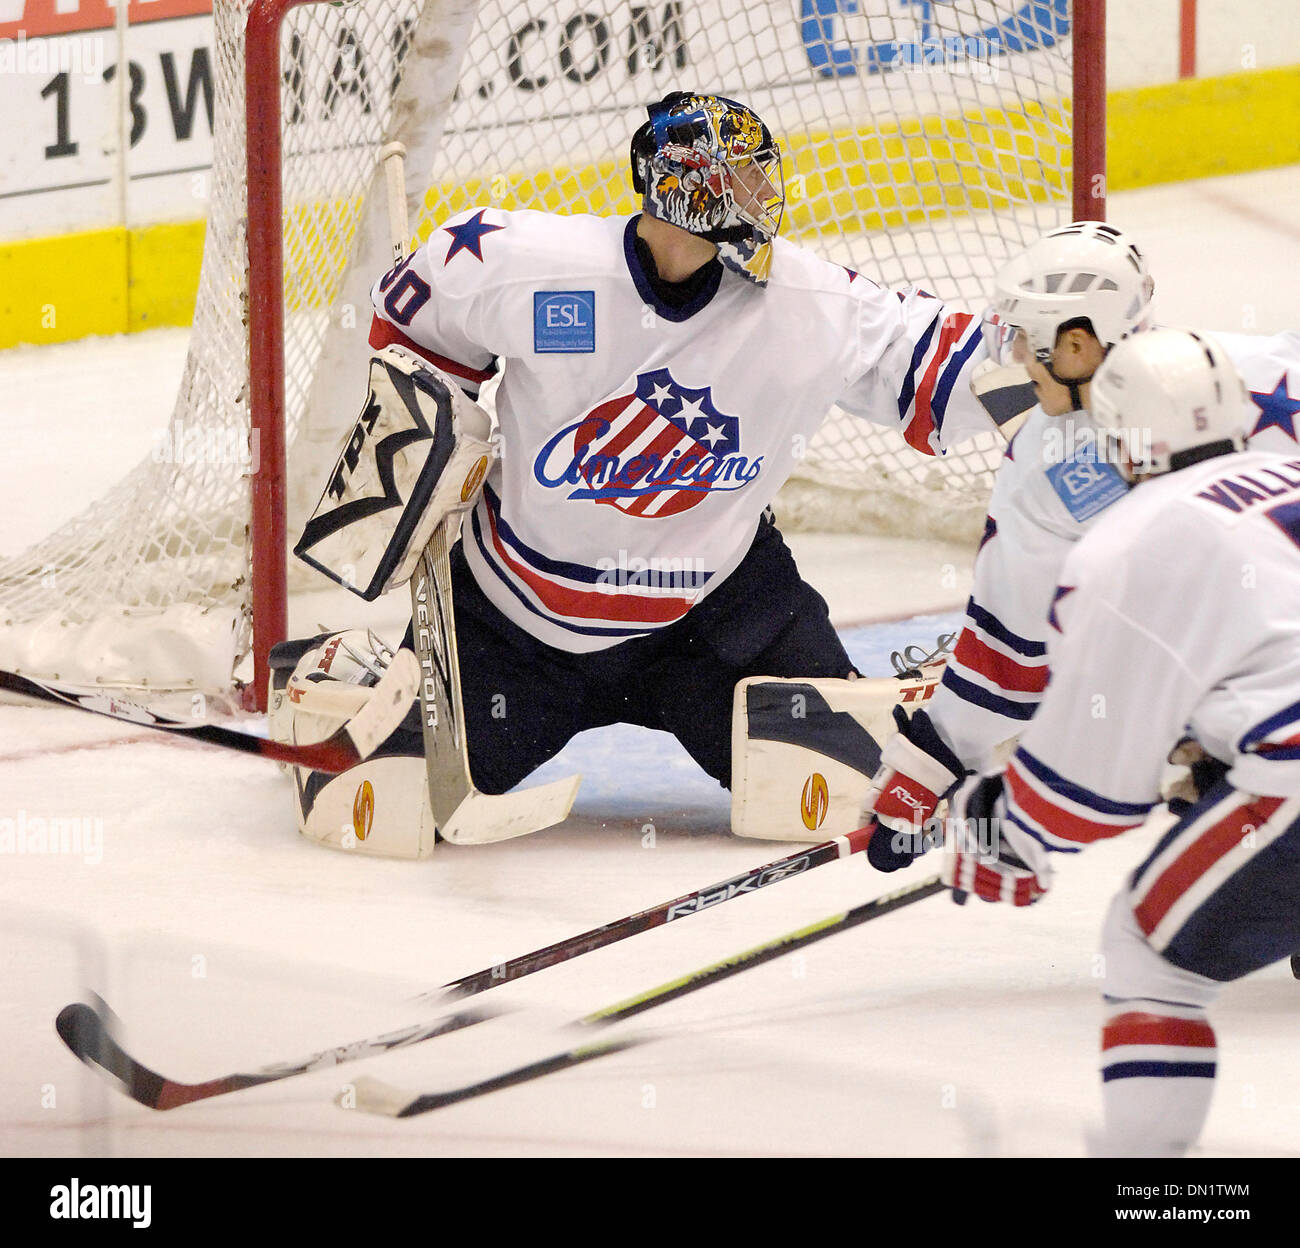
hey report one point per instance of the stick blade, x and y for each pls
(482, 818)
(90, 1032)
(81, 1029)
(374, 1096)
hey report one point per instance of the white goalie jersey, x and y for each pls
(640, 443)
(1048, 493)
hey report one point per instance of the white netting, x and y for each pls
(896, 163)
(151, 585)
(945, 149)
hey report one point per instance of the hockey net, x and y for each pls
(922, 143)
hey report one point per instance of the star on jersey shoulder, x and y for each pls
(1277, 409)
(468, 236)
(854, 275)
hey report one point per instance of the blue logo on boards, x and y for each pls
(837, 34)
(564, 322)
(1086, 486)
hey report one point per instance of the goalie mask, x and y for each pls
(711, 167)
(1165, 400)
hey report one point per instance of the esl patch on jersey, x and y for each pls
(1086, 486)
(564, 322)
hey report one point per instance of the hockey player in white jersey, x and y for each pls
(659, 374)
(1180, 607)
(1058, 308)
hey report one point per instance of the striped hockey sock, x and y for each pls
(1157, 1069)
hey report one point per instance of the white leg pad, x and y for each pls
(803, 752)
(378, 808)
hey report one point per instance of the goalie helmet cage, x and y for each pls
(921, 142)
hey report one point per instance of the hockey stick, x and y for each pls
(461, 813)
(353, 742)
(87, 1032)
(377, 1097)
(656, 916)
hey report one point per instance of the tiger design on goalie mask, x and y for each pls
(710, 166)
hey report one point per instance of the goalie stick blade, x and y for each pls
(373, 1096)
(463, 815)
(88, 1033)
(483, 818)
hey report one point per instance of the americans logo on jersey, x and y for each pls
(655, 451)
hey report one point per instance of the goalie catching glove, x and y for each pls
(917, 771)
(381, 806)
(417, 454)
(988, 855)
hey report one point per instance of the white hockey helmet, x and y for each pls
(1166, 399)
(1085, 271)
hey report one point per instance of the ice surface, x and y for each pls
(225, 942)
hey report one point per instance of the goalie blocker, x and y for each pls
(416, 456)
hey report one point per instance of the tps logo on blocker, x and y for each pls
(564, 322)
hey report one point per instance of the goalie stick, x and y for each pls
(87, 1031)
(352, 743)
(462, 814)
(377, 1097)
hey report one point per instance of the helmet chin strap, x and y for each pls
(1072, 384)
(1076, 401)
